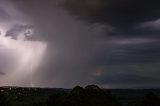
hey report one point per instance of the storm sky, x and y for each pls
(111, 43)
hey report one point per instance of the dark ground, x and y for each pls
(18, 96)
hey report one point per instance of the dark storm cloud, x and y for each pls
(127, 51)
(3, 15)
(146, 53)
(7, 12)
(154, 25)
(148, 28)
(126, 79)
(17, 29)
(123, 14)
(2, 73)
(128, 75)
(81, 45)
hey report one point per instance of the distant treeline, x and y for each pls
(90, 95)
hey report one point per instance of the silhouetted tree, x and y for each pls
(150, 100)
(91, 95)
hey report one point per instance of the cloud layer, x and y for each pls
(113, 43)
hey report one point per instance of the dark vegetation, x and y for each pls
(91, 95)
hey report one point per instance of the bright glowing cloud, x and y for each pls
(28, 55)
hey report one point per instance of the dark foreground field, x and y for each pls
(89, 96)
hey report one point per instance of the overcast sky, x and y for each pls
(111, 43)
